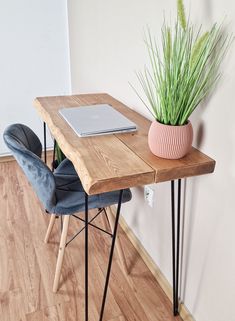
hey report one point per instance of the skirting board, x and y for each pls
(5, 159)
(165, 285)
(10, 158)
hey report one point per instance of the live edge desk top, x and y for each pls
(117, 161)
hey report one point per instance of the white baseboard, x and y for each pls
(7, 157)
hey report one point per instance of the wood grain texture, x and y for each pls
(63, 240)
(27, 266)
(103, 163)
(115, 161)
(118, 244)
(193, 164)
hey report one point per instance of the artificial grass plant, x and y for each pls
(184, 71)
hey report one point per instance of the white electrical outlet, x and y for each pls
(149, 195)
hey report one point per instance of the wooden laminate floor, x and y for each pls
(27, 267)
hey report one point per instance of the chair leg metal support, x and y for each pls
(111, 256)
(45, 142)
(175, 245)
(86, 257)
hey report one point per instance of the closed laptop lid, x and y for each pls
(96, 120)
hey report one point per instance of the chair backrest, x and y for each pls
(27, 149)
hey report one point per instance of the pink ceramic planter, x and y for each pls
(171, 142)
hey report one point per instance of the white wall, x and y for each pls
(34, 58)
(106, 48)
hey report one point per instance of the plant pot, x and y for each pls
(171, 142)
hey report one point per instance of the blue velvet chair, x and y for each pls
(61, 191)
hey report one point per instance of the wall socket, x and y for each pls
(149, 195)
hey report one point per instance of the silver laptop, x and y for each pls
(96, 120)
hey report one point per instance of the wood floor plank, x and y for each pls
(52, 313)
(11, 303)
(121, 318)
(8, 273)
(27, 266)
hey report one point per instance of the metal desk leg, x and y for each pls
(111, 255)
(86, 257)
(175, 245)
(53, 157)
(45, 142)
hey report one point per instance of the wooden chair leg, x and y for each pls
(118, 242)
(50, 227)
(61, 252)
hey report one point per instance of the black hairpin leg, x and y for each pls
(86, 257)
(111, 255)
(45, 142)
(53, 158)
(175, 245)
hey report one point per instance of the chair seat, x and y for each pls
(70, 193)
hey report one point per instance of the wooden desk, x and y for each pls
(122, 160)
(118, 161)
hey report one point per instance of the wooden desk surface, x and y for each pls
(116, 161)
